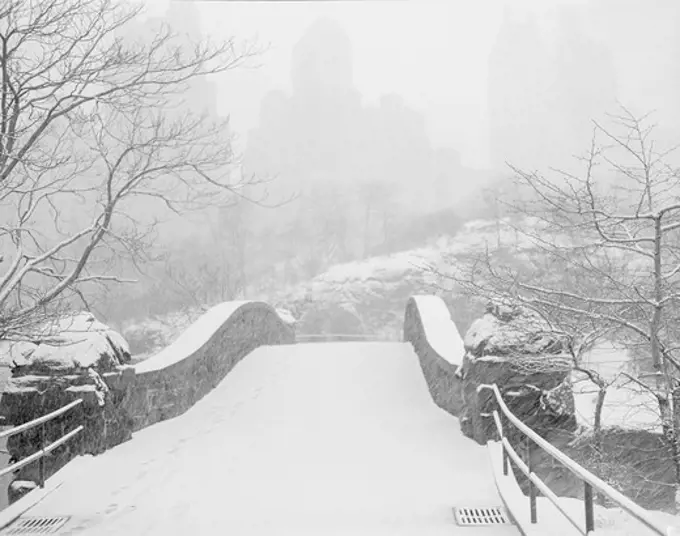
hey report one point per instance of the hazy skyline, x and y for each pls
(432, 53)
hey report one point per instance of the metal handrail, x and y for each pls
(43, 450)
(40, 420)
(589, 480)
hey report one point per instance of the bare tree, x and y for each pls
(604, 250)
(84, 142)
(578, 334)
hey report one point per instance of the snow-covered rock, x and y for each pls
(325, 317)
(76, 343)
(515, 350)
(16, 353)
(506, 332)
(19, 488)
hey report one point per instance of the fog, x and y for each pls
(374, 113)
(437, 56)
(365, 117)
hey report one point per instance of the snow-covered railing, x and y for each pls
(44, 450)
(590, 481)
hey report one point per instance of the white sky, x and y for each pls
(431, 52)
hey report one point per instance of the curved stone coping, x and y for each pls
(197, 335)
(439, 330)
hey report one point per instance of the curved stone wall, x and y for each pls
(164, 386)
(439, 347)
(169, 383)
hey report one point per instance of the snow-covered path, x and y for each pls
(317, 439)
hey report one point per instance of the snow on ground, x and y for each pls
(339, 439)
(441, 332)
(608, 521)
(550, 521)
(386, 267)
(615, 521)
(627, 405)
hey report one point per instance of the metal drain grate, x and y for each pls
(481, 516)
(36, 525)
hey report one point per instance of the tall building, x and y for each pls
(645, 42)
(185, 19)
(321, 62)
(584, 87)
(517, 79)
(545, 90)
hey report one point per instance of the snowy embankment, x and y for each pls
(627, 405)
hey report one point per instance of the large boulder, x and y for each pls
(67, 360)
(69, 345)
(16, 353)
(516, 350)
(327, 318)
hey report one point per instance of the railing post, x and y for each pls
(532, 486)
(42, 458)
(588, 500)
(505, 425)
(505, 461)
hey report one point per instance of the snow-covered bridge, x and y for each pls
(319, 439)
(238, 431)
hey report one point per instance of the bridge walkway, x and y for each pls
(309, 439)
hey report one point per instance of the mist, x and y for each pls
(493, 183)
(360, 118)
(359, 129)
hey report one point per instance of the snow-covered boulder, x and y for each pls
(331, 319)
(365, 296)
(517, 351)
(505, 331)
(16, 353)
(73, 344)
(65, 361)
(19, 488)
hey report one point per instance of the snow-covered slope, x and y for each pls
(375, 290)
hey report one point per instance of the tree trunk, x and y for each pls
(675, 445)
(597, 432)
(597, 422)
(658, 296)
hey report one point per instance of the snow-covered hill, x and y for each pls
(367, 295)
